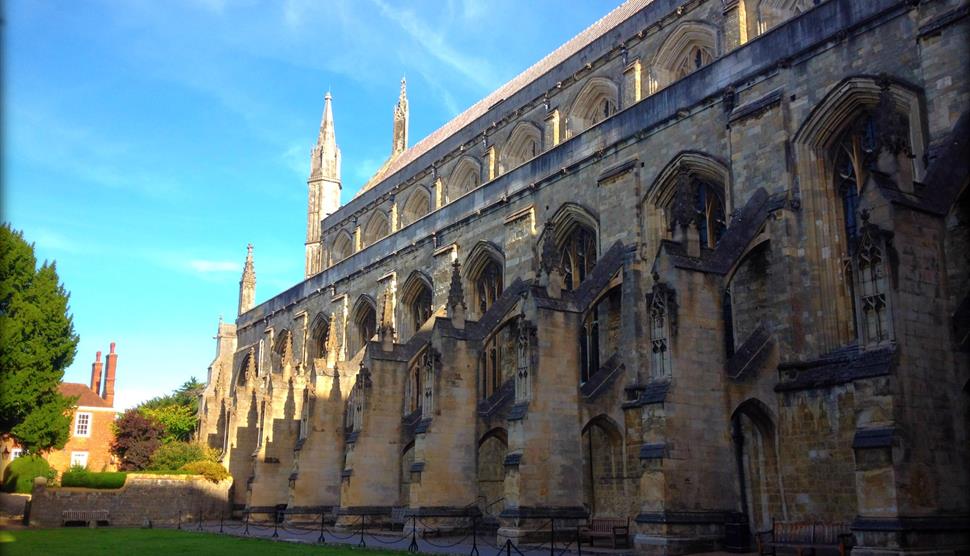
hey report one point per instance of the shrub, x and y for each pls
(175, 455)
(209, 469)
(19, 475)
(136, 439)
(87, 479)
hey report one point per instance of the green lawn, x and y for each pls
(146, 542)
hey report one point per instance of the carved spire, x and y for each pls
(550, 263)
(456, 297)
(323, 188)
(247, 284)
(400, 138)
(386, 329)
(326, 155)
(333, 345)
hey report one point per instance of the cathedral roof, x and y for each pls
(558, 56)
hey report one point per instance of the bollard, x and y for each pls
(552, 537)
(474, 550)
(413, 547)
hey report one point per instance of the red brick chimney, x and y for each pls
(111, 362)
(96, 368)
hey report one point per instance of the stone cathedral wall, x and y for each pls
(774, 405)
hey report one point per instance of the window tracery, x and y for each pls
(660, 360)
(523, 361)
(488, 286)
(428, 369)
(578, 256)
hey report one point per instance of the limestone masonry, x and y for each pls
(704, 267)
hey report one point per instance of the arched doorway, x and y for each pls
(490, 471)
(753, 432)
(602, 446)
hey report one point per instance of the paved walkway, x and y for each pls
(483, 543)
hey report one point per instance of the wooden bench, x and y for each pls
(398, 519)
(805, 535)
(615, 529)
(89, 517)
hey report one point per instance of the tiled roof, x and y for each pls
(85, 396)
(558, 56)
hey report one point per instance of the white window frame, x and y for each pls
(87, 423)
(16, 453)
(79, 458)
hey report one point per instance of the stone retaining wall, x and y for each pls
(159, 498)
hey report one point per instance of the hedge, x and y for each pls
(19, 475)
(87, 479)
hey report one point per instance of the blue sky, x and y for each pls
(146, 142)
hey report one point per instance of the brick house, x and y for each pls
(91, 424)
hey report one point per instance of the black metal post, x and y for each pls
(363, 525)
(508, 547)
(552, 537)
(323, 516)
(474, 550)
(221, 517)
(579, 541)
(200, 519)
(246, 531)
(413, 547)
(276, 524)
(180, 520)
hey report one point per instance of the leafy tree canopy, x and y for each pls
(177, 412)
(136, 439)
(37, 342)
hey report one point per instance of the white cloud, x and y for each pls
(475, 69)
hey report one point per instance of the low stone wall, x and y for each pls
(159, 498)
(13, 504)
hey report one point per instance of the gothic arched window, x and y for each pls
(427, 368)
(365, 320)
(578, 256)
(701, 202)
(488, 286)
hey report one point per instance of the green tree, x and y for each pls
(37, 342)
(177, 412)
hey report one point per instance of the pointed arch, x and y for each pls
(576, 235)
(602, 447)
(484, 271)
(417, 205)
(376, 228)
(861, 120)
(596, 101)
(317, 339)
(753, 432)
(466, 176)
(417, 300)
(490, 470)
(364, 317)
(690, 46)
(705, 200)
(342, 247)
(247, 360)
(523, 143)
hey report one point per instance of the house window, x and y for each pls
(82, 424)
(16, 453)
(79, 459)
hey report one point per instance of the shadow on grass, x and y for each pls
(144, 542)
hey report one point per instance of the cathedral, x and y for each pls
(704, 268)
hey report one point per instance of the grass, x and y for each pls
(145, 542)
